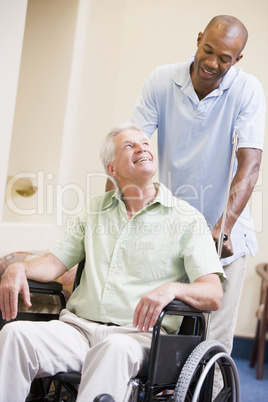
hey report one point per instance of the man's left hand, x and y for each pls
(227, 246)
(150, 306)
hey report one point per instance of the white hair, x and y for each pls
(107, 152)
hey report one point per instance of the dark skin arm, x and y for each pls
(243, 183)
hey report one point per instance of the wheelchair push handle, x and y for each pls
(223, 237)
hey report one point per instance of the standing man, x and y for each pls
(196, 106)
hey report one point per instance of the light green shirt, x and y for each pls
(168, 240)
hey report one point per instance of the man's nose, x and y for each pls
(140, 147)
(212, 61)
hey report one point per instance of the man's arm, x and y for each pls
(243, 183)
(145, 112)
(205, 294)
(14, 281)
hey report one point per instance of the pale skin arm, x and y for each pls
(204, 294)
(243, 183)
(14, 280)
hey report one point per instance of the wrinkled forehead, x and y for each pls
(130, 135)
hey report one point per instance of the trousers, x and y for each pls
(107, 356)
(223, 321)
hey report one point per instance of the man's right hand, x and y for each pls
(13, 282)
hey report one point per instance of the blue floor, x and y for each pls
(252, 390)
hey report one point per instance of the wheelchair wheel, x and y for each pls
(195, 382)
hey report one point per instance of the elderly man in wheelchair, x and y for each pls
(143, 248)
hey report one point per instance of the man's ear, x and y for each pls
(111, 170)
(238, 58)
(199, 38)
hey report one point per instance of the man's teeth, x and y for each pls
(142, 160)
(207, 72)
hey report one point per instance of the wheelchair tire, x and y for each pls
(195, 371)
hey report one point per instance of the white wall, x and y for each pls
(12, 22)
(82, 68)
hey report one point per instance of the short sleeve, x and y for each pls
(69, 248)
(250, 123)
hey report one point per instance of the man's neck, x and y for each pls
(137, 197)
(201, 90)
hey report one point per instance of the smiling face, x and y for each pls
(218, 48)
(134, 160)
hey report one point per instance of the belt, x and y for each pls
(109, 324)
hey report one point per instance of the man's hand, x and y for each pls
(227, 246)
(14, 280)
(12, 283)
(150, 306)
(205, 293)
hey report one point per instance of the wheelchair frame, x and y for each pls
(181, 365)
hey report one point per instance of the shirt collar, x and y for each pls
(163, 196)
(180, 74)
(110, 198)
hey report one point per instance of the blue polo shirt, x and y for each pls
(195, 138)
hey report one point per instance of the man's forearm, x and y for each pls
(241, 190)
(204, 294)
(14, 281)
(240, 193)
(44, 269)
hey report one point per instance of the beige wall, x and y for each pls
(82, 67)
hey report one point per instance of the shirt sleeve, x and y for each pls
(145, 112)
(250, 123)
(69, 248)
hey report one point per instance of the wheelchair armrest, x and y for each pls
(180, 306)
(48, 288)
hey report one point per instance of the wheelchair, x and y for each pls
(181, 365)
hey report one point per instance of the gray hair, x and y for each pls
(107, 152)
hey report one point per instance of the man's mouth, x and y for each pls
(207, 72)
(142, 160)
